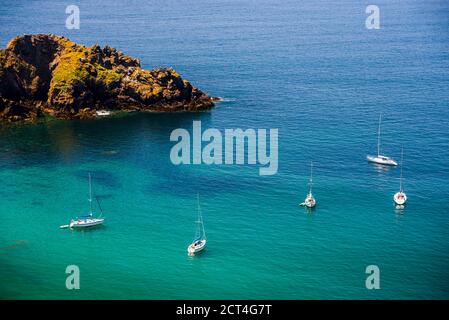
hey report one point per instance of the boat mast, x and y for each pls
(200, 219)
(90, 195)
(311, 180)
(402, 161)
(378, 136)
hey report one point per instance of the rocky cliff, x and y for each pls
(47, 74)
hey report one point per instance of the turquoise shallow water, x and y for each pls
(311, 70)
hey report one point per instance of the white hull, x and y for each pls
(196, 247)
(309, 202)
(85, 223)
(310, 205)
(382, 160)
(103, 113)
(400, 198)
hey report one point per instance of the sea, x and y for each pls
(312, 70)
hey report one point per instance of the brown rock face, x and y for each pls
(48, 74)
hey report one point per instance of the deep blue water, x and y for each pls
(310, 69)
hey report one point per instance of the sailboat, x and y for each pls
(400, 198)
(199, 241)
(88, 220)
(380, 159)
(310, 201)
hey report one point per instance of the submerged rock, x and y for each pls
(48, 74)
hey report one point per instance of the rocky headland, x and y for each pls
(50, 75)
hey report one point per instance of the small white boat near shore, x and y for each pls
(103, 113)
(381, 159)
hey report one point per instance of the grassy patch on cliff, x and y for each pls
(69, 69)
(74, 68)
(107, 76)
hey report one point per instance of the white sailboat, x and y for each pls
(88, 220)
(199, 240)
(310, 201)
(380, 159)
(400, 198)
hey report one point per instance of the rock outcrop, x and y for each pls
(48, 74)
